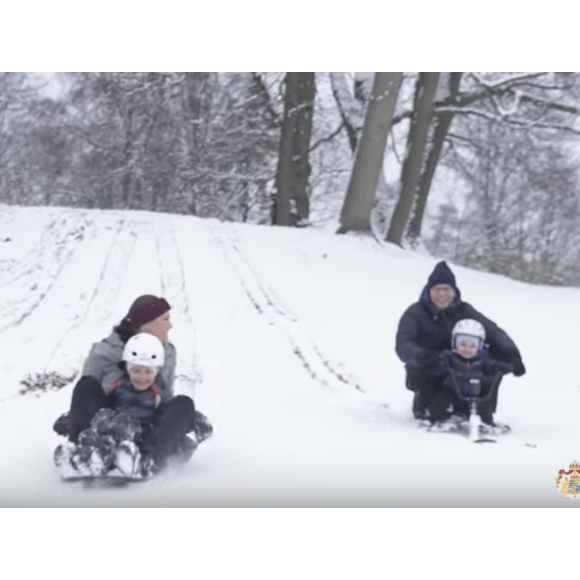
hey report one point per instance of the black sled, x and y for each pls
(104, 481)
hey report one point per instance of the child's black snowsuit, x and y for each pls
(143, 405)
(162, 416)
(476, 377)
(164, 420)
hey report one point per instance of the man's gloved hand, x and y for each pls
(503, 368)
(428, 359)
(519, 368)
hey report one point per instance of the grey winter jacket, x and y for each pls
(104, 357)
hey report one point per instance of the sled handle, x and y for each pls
(494, 385)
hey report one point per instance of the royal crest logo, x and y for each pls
(568, 482)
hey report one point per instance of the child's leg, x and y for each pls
(110, 433)
(487, 408)
(123, 431)
(94, 453)
(493, 401)
(461, 408)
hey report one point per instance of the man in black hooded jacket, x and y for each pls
(425, 331)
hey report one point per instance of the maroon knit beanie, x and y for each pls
(145, 309)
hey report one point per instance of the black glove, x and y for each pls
(519, 368)
(428, 359)
(505, 368)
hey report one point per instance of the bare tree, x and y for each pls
(368, 164)
(198, 143)
(291, 200)
(413, 164)
(442, 124)
(351, 102)
(500, 146)
(521, 100)
(508, 93)
(14, 101)
(521, 204)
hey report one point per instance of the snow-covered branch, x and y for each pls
(510, 80)
(491, 91)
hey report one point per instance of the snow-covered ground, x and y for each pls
(291, 333)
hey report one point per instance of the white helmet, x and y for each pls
(144, 349)
(468, 328)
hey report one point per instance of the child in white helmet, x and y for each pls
(138, 398)
(138, 395)
(469, 372)
(142, 426)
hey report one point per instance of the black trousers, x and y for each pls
(164, 436)
(161, 438)
(88, 397)
(432, 396)
(424, 386)
(446, 403)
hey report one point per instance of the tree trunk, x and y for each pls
(413, 163)
(291, 203)
(351, 103)
(442, 125)
(368, 164)
(191, 104)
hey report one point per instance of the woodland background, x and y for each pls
(477, 168)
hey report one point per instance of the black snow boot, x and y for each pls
(203, 428)
(419, 406)
(492, 427)
(94, 453)
(151, 462)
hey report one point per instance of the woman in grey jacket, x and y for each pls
(147, 314)
(103, 367)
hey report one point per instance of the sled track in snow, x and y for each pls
(263, 300)
(174, 287)
(99, 306)
(14, 270)
(270, 296)
(56, 251)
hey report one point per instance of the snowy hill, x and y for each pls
(292, 332)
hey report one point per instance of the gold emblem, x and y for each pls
(568, 482)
